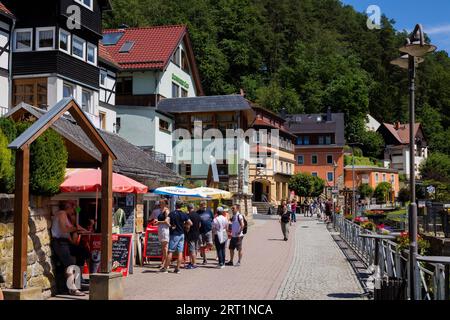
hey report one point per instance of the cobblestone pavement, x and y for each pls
(319, 270)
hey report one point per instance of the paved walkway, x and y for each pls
(308, 266)
(319, 271)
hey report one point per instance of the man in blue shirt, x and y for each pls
(178, 221)
(206, 217)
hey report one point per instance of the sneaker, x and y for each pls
(189, 266)
(204, 262)
(229, 263)
(77, 293)
(194, 266)
(238, 264)
(221, 266)
(177, 271)
(163, 270)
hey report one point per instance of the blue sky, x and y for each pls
(434, 15)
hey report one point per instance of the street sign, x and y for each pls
(431, 189)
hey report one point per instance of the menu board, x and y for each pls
(121, 252)
(152, 246)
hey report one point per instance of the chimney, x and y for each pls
(123, 26)
(329, 114)
(242, 92)
(397, 125)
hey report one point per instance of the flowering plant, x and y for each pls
(374, 213)
(403, 243)
(369, 225)
(348, 216)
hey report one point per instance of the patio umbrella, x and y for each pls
(179, 192)
(214, 193)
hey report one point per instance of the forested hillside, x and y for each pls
(305, 55)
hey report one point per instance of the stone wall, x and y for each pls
(40, 266)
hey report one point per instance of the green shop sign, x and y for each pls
(180, 81)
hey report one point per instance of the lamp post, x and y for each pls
(353, 177)
(415, 48)
(335, 166)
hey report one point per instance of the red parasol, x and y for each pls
(90, 180)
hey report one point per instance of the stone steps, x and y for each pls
(262, 207)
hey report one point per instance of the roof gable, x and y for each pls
(4, 10)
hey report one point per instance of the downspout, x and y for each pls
(11, 46)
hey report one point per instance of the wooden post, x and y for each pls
(106, 255)
(21, 201)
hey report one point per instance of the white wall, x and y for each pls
(4, 38)
(4, 64)
(110, 118)
(104, 95)
(145, 82)
(162, 139)
(165, 83)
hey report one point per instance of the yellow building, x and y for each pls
(273, 160)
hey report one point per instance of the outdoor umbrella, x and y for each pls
(179, 192)
(214, 193)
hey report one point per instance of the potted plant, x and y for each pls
(375, 215)
(403, 243)
(369, 226)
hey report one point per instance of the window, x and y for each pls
(330, 176)
(329, 159)
(23, 40)
(320, 139)
(31, 91)
(185, 169)
(124, 86)
(86, 101)
(184, 62)
(67, 90)
(392, 180)
(184, 93)
(314, 174)
(314, 159)
(327, 139)
(176, 57)
(78, 47)
(64, 41)
(175, 90)
(384, 177)
(299, 141)
(45, 38)
(376, 178)
(103, 76)
(163, 125)
(92, 54)
(306, 140)
(86, 3)
(300, 160)
(102, 117)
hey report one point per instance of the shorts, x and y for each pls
(194, 245)
(176, 243)
(163, 234)
(63, 250)
(236, 243)
(328, 213)
(206, 238)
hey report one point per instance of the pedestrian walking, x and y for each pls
(294, 211)
(306, 206)
(219, 228)
(193, 236)
(237, 235)
(285, 218)
(178, 221)
(206, 238)
(328, 210)
(163, 223)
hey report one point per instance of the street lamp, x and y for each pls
(335, 166)
(353, 177)
(415, 48)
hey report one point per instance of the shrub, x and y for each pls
(382, 191)
(48, 161)
(403, 243)
(404, 195)
(306, 185)
(8, 127)
(365, 190)
(6, 167)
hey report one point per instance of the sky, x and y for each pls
(434, 15)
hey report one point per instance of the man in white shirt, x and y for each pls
(237, 235)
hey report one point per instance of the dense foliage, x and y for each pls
(382, 191)
(306, 185)
(8, 133)
(304, 55)
(365, 191)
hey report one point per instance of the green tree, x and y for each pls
(382, 191)
(6, 168)
(365, 190)
(48, 161)
(306, 185)
(372, 144)
(436, 167)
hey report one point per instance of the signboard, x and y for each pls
(152, 246)
(121, 253)
(421, 204)
(180, 81)
(93, 242)
(431, 189)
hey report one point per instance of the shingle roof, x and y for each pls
(5, 10)
(106, 57)
(131, 160)
(401, 133)
(232, 102)
(152, 49)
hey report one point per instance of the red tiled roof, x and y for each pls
(5, 10)
(106, 56)
(152, 49)
(401, 132)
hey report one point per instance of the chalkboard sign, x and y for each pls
(121, 252)
(152, 246)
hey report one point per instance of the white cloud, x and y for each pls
(444, 29)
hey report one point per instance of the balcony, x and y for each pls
(147, 100)
(3, 111)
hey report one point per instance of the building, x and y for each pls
(7, 22)
(156, 63)
(273, 149)
(396, 137)
(56, 56)
(373, 176)
(319, 147)
(372, 124)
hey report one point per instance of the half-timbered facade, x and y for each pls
(7, 21)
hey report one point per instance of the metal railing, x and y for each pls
(432, 272)
(3, 111)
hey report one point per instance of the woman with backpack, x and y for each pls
(285, 219)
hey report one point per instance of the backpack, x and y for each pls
(244, 230)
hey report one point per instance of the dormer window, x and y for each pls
(23, 40)
(45, 38)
